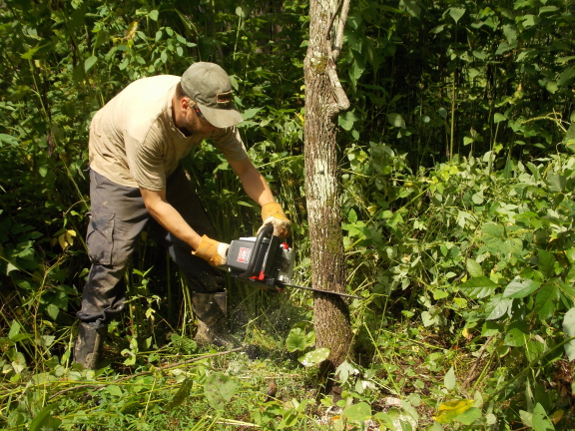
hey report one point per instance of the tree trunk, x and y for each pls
(324, 100)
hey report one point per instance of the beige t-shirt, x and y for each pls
(135, 143)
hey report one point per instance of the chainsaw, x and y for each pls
(266, 262)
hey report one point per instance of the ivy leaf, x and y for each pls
(520, 288)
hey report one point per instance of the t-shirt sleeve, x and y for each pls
(230, 143)
(145, 156)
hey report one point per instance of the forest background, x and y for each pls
(457, 175)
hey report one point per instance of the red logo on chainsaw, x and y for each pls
(244, 255)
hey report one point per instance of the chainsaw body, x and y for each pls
(263, 260)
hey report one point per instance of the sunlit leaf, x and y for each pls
(449, 379)
(473, 268)
(449, 410)
(396, 120)
(314, 357)
(456, 13)
(540, 420)
(569, 330)
(478, 287)
(520, 288)
(358, 412)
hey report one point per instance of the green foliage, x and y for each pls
(457, 197)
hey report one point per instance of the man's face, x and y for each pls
(194, 121)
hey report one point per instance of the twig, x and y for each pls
(143, 373)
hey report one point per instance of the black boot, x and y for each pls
(211, 312)
(89, 344)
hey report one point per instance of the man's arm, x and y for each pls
(252, 181)
(169, 217)
(258, 189)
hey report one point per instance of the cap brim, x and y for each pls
(221, 118)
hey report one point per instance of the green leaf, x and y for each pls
(449, 379)
(566, 77)
(498, 118)
(219, 390)
(469, 416)
(182, 394)
(569, 330)
(296, 340)
(478, 287)
(473, 268)
(90, 62)
(547, 9)
(346, 120)
(44, 419)
(545, 301)
(114, 390)
(540, 421)
(456, 13)
(520, 288)
(360, 412)
(497, 307)
(515, 338)
(546, 263)
(250, 113)
(10, 140)
(411, 7)
(314, 357)
(449, 410)
(14, 330)
(154, 14)
(556, 182)
(396, 120)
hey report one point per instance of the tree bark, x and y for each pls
(325, 98)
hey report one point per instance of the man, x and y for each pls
(136, 143)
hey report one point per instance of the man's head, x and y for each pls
(209, 86)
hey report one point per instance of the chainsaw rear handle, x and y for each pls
(266, 232)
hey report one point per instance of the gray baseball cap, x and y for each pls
(209, 86)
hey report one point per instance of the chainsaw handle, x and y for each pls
(266, 232)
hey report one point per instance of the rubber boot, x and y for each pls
(211, 312)
(89, 344)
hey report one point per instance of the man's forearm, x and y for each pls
(254, 184)
(170, 219)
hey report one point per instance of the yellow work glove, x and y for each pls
(213, 251)
(273, 214)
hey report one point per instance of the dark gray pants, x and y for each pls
(118, 216)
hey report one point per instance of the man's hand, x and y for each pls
(273, 214)
(213, 251)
